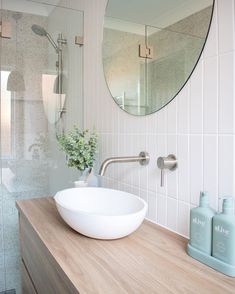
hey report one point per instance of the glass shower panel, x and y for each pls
(41, 97)
(172, 49)
(125, 70)
(2, 256)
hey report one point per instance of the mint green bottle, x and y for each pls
(224, 233)
(201, 225)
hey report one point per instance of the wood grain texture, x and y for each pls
(27, 285)
(45, 272)
(151, 260)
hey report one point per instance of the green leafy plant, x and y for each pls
(80, 147)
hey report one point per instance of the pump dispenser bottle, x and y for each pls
(224, 233)
(201, 225)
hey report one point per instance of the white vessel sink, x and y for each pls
(101, 213)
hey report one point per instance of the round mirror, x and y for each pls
(150, 49)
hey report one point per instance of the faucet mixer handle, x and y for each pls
(169, 162)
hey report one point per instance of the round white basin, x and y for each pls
(101, 213)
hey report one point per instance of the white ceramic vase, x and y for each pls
(80, 184)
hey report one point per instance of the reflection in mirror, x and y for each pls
(151, 48)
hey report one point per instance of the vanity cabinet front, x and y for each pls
(40, 273)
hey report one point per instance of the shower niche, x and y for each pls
(41, 96)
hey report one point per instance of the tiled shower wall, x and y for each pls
(197, 126)
(19, 174)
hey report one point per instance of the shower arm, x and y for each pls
(57, 49)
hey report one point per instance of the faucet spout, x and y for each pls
(143, 158)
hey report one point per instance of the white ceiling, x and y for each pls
(158, 13)
(27, 6)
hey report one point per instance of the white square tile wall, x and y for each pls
(198, 126)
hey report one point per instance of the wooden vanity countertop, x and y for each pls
(151, 260)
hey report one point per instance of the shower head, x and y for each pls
(40, 31)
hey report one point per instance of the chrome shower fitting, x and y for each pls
(61, 40)
(40, 31)
(60, 82)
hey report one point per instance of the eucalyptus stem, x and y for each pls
(80, 147)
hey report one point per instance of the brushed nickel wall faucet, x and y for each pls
(169, 162)
(143, 158)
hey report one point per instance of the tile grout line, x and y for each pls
(177, 178)
(218, 103)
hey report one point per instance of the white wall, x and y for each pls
(198, 126)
